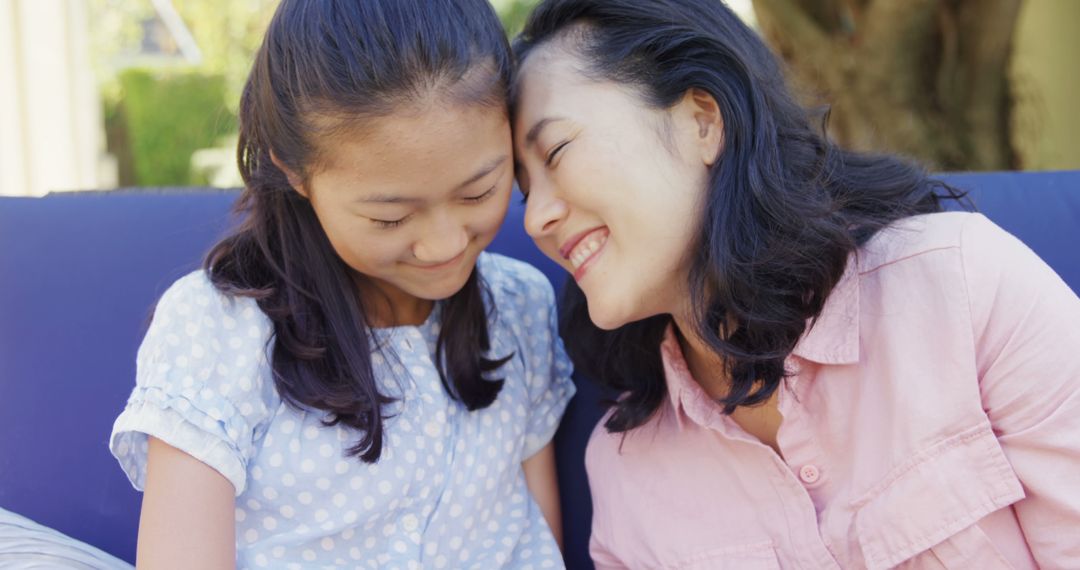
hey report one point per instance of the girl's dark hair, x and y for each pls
(324, 67)
(784, 208)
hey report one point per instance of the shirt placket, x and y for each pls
(422, 347)
(805, 474)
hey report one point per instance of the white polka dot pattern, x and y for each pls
(448, 491)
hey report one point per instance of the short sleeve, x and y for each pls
(547, 367)
(201, 382)
(1027, 345)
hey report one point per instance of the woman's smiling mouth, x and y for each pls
(584, 248)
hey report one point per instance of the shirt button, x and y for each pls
(809, 474)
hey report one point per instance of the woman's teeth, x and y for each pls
(588, 246)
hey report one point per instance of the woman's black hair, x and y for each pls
(784, 206)
(325, 67)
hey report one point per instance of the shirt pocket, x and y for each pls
(933, 502)
(754, 556)
(969, 548)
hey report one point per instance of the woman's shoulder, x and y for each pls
(635, 452)
(913, 237)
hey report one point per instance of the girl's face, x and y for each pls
(412, 200)
(613, 186)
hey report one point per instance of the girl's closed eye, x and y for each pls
(477, 199)
(387, 224)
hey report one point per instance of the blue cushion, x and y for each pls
(1040, 208)
(80, 272)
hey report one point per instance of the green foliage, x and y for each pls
(156, 119)
(168, 116)
(513, 14)
(228, 33)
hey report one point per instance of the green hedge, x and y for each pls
(167, 116)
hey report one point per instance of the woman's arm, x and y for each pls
(544, 485)
(188, 518)
(1026, 324)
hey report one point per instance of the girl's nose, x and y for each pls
(441, 245)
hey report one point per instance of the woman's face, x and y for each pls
(412, 200)
(613, 186)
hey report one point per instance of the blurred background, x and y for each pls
(99, 94)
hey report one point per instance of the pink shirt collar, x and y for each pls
(834, 337)
(831, 339)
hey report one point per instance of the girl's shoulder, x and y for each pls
(195, 323)
(194, 301)
(514, 281)
(203, 381)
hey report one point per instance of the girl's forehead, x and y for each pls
(434, 148)
(414, 131)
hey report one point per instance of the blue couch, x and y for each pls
(79, 273)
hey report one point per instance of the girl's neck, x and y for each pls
(388, 306)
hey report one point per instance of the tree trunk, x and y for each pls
(925, 78)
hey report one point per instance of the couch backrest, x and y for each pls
(79, 273)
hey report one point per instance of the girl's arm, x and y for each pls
(187, 518)
(544, 486)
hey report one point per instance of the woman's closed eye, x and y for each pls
(553, 153)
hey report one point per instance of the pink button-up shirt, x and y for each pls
(932, 420)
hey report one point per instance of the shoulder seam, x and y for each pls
(884, 264)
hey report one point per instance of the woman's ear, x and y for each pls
(295, 180)
(700, 113)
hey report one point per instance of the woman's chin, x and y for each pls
(605, 318)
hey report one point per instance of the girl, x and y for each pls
(819, 369)
(349, 381)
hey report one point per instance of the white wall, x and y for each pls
(51, 134)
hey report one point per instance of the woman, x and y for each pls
(818, 367)
(350, 381)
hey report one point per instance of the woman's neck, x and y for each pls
(707, 368)
(704, 364)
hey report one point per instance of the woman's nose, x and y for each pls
(543, 212)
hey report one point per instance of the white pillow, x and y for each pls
(25, 544)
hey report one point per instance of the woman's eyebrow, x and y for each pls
(534, 132)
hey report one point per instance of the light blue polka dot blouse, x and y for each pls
(448, 491)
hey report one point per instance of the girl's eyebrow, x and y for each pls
(387, 199)
(484, 171)
(392, 199)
